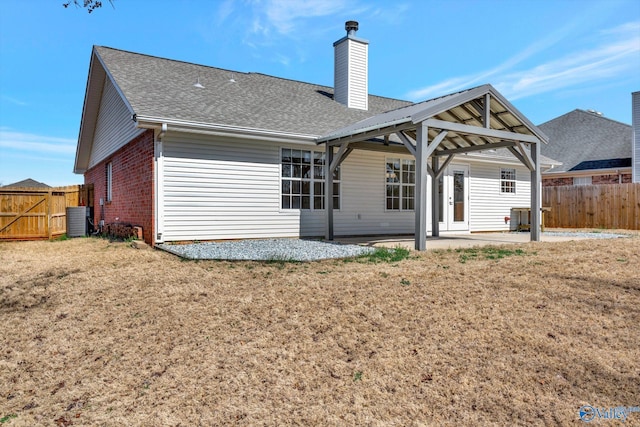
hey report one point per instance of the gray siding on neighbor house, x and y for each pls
(635, 120)
(114, 126)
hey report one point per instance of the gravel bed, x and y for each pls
(583, 235)
(267, 250)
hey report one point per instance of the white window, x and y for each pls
(400, 175)
(109, 175)
(303, 180)
(582, 180)
(507, 180)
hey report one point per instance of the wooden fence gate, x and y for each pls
(36, 213)
(593, 206)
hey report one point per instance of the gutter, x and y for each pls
(359, 131)
(162, 125)
(587, 172)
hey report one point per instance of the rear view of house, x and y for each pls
(191, 152)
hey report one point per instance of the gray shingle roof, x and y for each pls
(584, 140)
(31, 183)
(164, 88)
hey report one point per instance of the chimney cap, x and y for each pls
(351, 27)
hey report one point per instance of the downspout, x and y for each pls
(163, 131)
(159, 187)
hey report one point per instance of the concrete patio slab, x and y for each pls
(453, 241)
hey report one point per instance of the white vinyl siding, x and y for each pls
(363, 198)
(350, 74)
(223, 190)
(216, 189)
(341, 73)
(487, 205)
(114, 126)
(230, 189)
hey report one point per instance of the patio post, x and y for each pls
(435, 198)
(328, 191)
(536, 192)
(422, 139)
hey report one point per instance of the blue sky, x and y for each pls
(547, 57)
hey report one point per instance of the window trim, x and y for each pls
(401, 185)
(109, 182)
(312, 181)
(503, 181)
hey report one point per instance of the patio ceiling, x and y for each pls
(468, 125)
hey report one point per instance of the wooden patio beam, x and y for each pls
(407, 143)
(475, 130)
(473, 148)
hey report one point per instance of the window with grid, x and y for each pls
(400, 184)
(507, 180)
(303, 180)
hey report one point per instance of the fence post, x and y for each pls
(49, 197)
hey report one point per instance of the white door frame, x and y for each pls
(455, 205)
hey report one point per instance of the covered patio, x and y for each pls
(434, 132)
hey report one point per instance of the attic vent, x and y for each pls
(597, 113)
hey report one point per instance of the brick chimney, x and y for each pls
(351, 79)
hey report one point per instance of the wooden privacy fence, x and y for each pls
(593, 206)
(36, 213)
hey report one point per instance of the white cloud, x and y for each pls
(617, 55)
(225, 10)
(20, 141)
(594, 66)
(13, 100)
(285, 16)
(282, 30)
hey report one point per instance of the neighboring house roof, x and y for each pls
(583, 140)
(32, 183)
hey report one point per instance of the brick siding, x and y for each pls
(611, 179)
(595, 180)
(132, 192)
(553, 182)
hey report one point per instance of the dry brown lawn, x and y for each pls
(98, 333)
